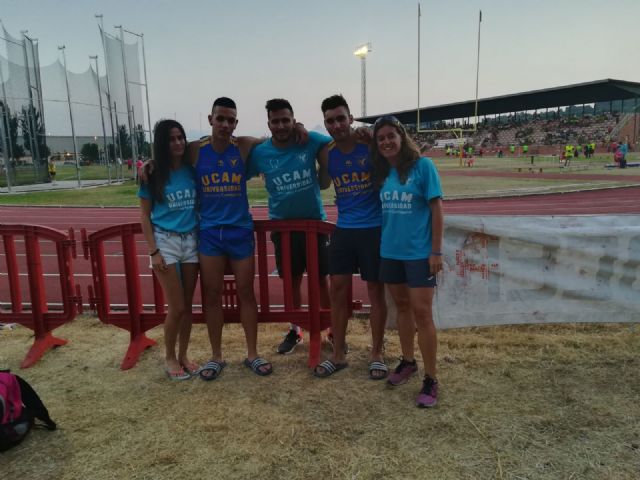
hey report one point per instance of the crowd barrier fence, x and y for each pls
(36, 314)
(138, 320)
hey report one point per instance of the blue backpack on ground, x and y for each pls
(20, 406)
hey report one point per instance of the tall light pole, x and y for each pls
(361, 53)
(134, 150)
(146, 82)
(109, 99)
(104, 130)
(73, 131)
(478, 69)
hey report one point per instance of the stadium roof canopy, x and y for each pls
(577, 94)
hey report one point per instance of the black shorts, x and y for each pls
(354, 250)
(415, 273)
(299, 253)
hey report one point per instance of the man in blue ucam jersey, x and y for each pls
(293, 184)
(226, 232)
(355, 243)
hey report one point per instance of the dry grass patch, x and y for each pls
(516, 402)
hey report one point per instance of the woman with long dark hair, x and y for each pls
(411, 246)
(169, 224)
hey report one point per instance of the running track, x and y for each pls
(608, 201)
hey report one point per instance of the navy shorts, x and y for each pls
(299, 253)
(354, 250)
(415, 273)
(236, 243)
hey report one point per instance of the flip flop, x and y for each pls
(192, 368)
(177, 375)
(376, 366)
(329, 368)
(214, 367)
(255, 365)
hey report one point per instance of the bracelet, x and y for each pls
(155, 252)
(437, 254)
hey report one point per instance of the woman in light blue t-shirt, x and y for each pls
(169, 223)
(411, 246)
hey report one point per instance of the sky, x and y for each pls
(302, 50)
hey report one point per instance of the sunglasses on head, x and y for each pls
(388, 119)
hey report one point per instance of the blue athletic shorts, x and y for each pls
(235, 243)
(415, 273)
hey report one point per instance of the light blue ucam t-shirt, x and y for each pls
(177, 212)
(406, 216)
(290, 177)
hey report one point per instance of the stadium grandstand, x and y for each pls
(597, 113)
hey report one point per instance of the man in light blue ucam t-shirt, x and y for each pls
(293, 184)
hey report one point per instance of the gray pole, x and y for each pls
(478, 70)
(146, 82)
(363, 102)
(35, 156)
(104, 131)
(135, 139)
(134, 150)
(146, 90)
(35, 51)
(418, 107)
(362, 53)
(106, 66)
(73, 131)
(5, 152)
(115, 109)
(5, 112)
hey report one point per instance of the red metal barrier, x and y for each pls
(38, 317)
(137, 321)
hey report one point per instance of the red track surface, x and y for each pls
(609, 201)
(547, 176)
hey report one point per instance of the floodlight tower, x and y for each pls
(361, 53)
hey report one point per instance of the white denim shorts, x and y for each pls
(177, 247)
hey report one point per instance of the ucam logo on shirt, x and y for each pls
(295, 180)
(394, 200)
(181, 199)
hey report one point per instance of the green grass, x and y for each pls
(125, 195)
(25, 175)
(108, 196)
